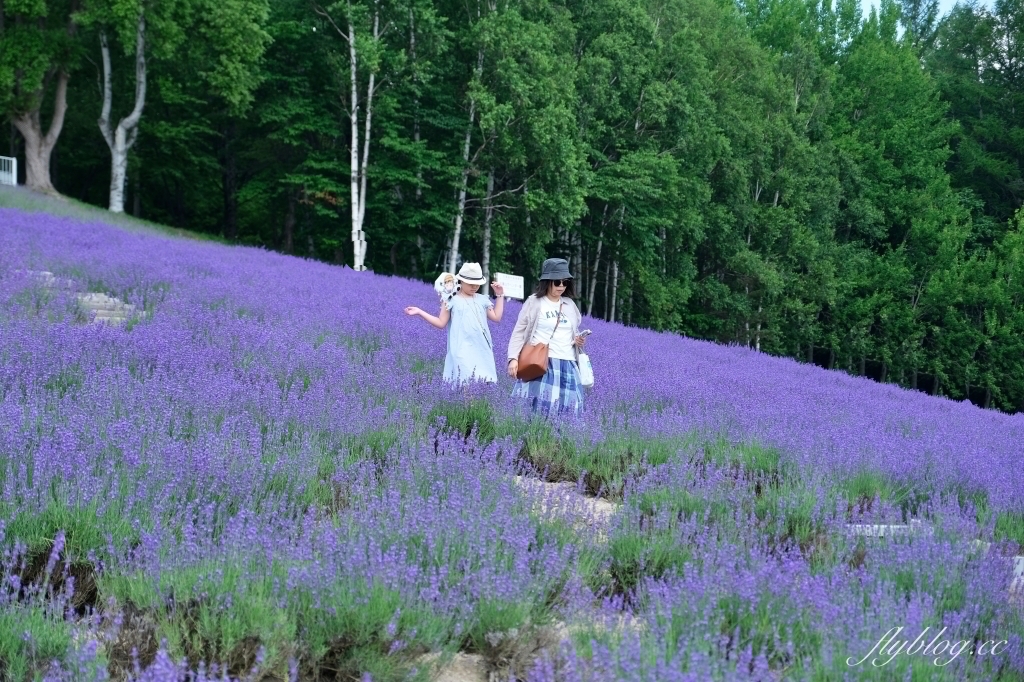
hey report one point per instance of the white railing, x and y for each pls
(8, 171)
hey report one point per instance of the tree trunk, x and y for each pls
(576, 239)
(593, 270)
(615, 288)
(810, 353)
(38, 145)
(358, 162)
(664, 260)
(485, 264)
(913, 378)
(831, 358)
(367, 128)
(123, 137)
(863, 365)
(607, 290)
(757, 331)
(935, 384)
(288, 241)
(230, 173)
(629, 308)
(988, 397)
(746, 322)
(885, 372)
(453, 256)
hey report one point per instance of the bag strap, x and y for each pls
(558, 320)
(480, 318)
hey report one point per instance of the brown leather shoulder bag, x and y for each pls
(533, 360)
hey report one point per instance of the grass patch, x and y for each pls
(636, 554)
(86, 529)
(26, 200)
(1010, 527)
(465, 417)
(684, 505)
(31, 639)
(604, 467)
(237, 616)
(754, 460)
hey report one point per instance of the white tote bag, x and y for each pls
(586, 371)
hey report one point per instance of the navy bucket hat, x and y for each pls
(555, 268)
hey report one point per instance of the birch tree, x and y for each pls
(122, 138)
(362, 29)
(227, 58)
(460, 212)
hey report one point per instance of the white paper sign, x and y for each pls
(513, 285)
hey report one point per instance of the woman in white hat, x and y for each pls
(470, 350)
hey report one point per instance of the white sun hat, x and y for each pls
(470, 273)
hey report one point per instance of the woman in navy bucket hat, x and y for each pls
(550, 316)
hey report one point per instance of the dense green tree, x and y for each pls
(38, 52)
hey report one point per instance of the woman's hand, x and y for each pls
(579, 341)
(412, 310)
(498, 289)
(513, 367)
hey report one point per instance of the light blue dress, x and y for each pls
(470, 350)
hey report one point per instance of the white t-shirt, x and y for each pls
(560, 346)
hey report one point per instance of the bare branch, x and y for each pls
(132, 121)
(322, 12)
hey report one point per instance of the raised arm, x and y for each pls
(440, 321)
(494, 314)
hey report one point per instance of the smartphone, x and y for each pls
(586, 332)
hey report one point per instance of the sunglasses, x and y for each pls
(561, 282)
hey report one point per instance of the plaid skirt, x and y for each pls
(559, 390)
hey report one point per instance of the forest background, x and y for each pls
(789, 175)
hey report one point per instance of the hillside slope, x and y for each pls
(267, 440)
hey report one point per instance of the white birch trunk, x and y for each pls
(485, 264)
(353, 159)
(121, 139)
(365, 162)
(460, 213)
(746, 323)
(757, 335)
(615, 288)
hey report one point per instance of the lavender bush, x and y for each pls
(259, 476)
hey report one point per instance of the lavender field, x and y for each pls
(258, 476)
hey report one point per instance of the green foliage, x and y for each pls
(654, 553)
(604, 467)
(464, 418)
(30, 639)
(1010, 526)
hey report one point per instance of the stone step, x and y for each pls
(48, 279)
(889, 530)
